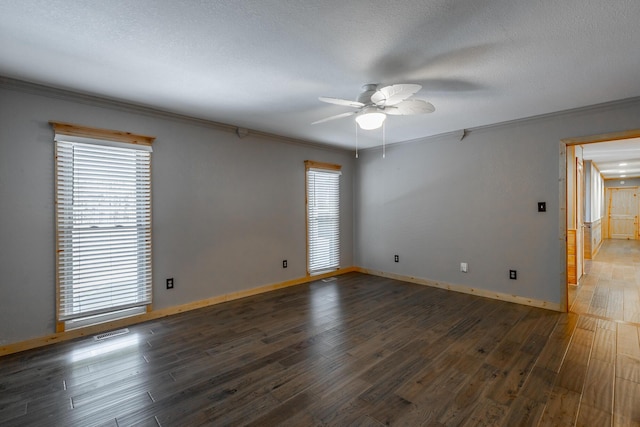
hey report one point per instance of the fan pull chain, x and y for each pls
(384, 139)
(356, 138)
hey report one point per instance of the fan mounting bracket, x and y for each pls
(367, 91)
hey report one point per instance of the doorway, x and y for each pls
(602, 250)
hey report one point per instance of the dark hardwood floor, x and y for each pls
(356, 351)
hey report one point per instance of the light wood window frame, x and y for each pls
(77, 133)
(328, 167)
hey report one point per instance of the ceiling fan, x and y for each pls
(373, 104)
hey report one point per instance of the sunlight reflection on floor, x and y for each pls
(109, 345)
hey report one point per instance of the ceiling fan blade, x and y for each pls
(394, 94)
(344, 102)
(409, 107)
(337, 116)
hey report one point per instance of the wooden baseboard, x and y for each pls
(467, 290)
(156, 314)
(595, 252)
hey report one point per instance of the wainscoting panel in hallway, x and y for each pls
(358, 350)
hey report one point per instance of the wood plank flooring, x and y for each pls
(610, 288)
(355, 351)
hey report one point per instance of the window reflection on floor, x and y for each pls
(107, 346)
(325, 303)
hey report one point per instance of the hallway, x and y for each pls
(610, 288)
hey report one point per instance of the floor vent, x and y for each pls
(111, 334)
(329, 279)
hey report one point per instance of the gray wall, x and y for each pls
(439, 202)
(226, 211)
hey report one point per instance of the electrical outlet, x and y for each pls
(284, 263)
(170, 283)
(464, 267)
(396, 258)
(513, 274)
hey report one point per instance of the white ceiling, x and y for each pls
(261, 64)
(617, 159)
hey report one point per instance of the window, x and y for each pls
(103, 224)
(323, 217)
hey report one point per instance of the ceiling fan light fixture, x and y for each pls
(370, 118)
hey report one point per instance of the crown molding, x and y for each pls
(114, 104)
(456, 135)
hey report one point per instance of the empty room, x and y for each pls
(319, 213)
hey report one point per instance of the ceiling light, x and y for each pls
(622, 164)
(370, 118)
(623, 176)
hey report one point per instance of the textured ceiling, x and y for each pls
(261, 64)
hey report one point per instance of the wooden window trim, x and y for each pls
(104, 134)
(310, 164)
(70, 129)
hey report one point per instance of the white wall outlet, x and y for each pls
(464, 267)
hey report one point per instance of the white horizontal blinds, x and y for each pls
(323, 220)
(103, 219)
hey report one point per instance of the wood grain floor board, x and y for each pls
(628, 368)
(590, 416)
(486, 413)
(335, 404)
(604, 345)
(627, 396)
(524, 412)
(229, 415)
(628, 340)
(436, 363)
(360, 350)
(12, 410)
(580, 348)
(472, 389)
(561, 408)
(611, 286)
(599, 386)
(553, 354)
(511, 381)
(365, 421)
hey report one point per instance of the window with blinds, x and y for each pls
(323, 217)
(103, 220)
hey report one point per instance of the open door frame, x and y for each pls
(591, 139)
